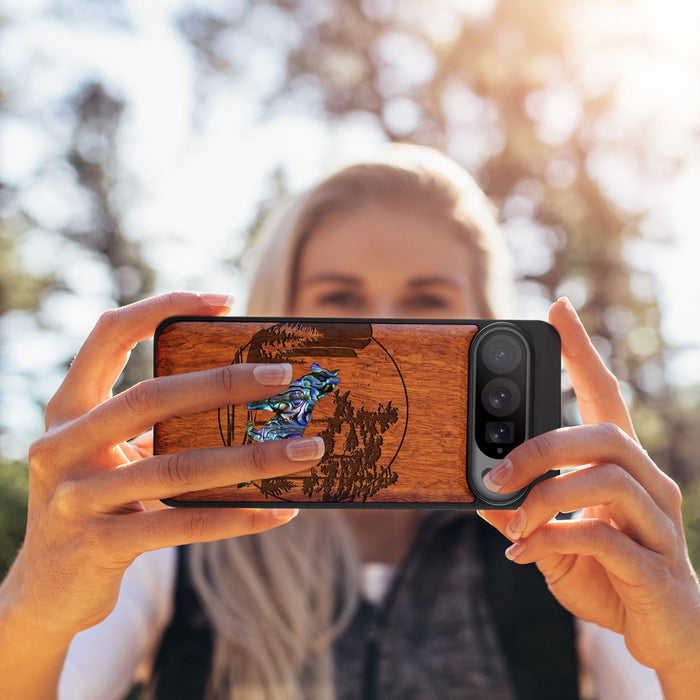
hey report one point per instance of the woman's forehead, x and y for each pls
(385, 235)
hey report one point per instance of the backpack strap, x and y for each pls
(536, 633)
(183, 664)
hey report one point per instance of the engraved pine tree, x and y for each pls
(354, 438)
(284, 339)
(349, 470)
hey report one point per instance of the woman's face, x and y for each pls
(385, 261)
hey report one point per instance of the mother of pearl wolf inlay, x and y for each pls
(293, 406)
(350, 393)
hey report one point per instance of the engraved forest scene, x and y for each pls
(389, 401)
(346, 389)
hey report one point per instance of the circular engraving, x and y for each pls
(347, 389)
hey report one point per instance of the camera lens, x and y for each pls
(502, 353)
(500, 396)
(499, 432)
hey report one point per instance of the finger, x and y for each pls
(142, 532)
(497, 518)
(138, 448)
(606, 486)
(102, 357)
(596, 388)
(143, 444)
(166, 476)
(131, 452)
(155, 400)
(579, 445)
(614, 550)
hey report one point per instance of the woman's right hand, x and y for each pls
(86, 516)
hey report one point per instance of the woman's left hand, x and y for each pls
(623, 564)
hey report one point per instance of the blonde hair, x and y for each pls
(277, 600)
(416, 176)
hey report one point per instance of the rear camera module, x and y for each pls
(513, 393)
(501, 389)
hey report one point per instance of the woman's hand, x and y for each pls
(86, 517)
(623, 564)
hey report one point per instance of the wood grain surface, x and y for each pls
(395, 424)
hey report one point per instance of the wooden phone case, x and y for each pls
(389, 399)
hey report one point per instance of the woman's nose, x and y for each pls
(384, 307)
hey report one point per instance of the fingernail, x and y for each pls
(569, 306)
(515, 550)
(218, 299)
(498, 477)
(517, 525)
(303, 449)
(273, 375)
(285, 514)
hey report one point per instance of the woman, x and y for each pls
(410, 237)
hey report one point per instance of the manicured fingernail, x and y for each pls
(569, 306)
(499, 476)
(303, 449)
(517, 525)
(285, 514)
(273, 375)
(515, 550)
(218, 299)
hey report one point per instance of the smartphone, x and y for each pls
(412, 413)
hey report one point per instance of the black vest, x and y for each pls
(412, 647)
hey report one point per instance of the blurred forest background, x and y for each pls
(580, 119)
